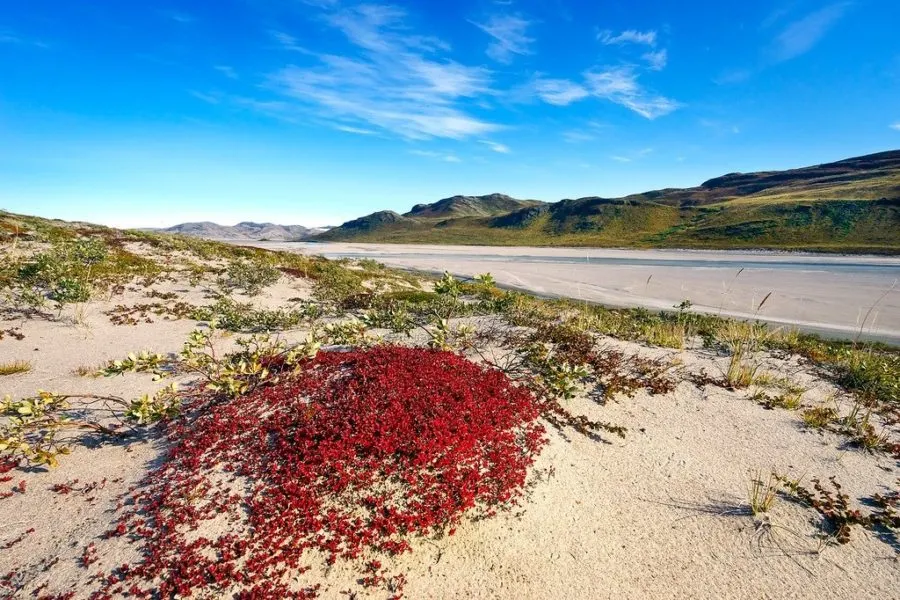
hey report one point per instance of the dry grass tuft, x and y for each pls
(89, 371)
(15, 367)
(762, 493)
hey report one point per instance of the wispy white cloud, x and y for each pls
(496, 146)
(620, 85)
(559, 92)
(629, 36)
(451, 158)
(632, 155)
(356, 130)
(586, 133)
(227, 71)
(208, 98)
(287, 41)
(394, 82)
(576, 136)
(9, 37)
(509, 37)
(776, 15)
(657, 61)
(802, 35)
(178, 16)
(895, 126)
(615, 84)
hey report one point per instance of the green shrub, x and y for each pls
(237, 316)
(406, 296)
(250, 276)
(334, 283)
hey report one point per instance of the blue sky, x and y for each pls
(317, 111)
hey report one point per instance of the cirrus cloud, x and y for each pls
(559, 92)
(629, 36)
(509, 37)
(394, 82)
(802, 35)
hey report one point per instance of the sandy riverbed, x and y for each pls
(823, 293)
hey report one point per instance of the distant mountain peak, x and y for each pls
(245, 230)
(374, 221)
(489, 205)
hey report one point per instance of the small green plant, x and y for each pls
(240, 372)
(743, 341)
(448, 285)
(335, 283)
(250, 276)
(857, 424)
(14, 367)
(237, 316)
(666, 334)
(762, 492)
(351, 332)
(32, 429)
(819, 417)
(740, 372)
(790, 400)
(486, 280)
(147, 409)
(62, 274)
(143, 362)
(556, 378)
(89, 371)
(140, 313)
(394, 316)
(834, 506)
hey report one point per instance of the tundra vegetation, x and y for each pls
(384, 406)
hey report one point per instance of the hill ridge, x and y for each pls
(245, 230)
(850, 205)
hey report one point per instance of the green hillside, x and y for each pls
(848, 206)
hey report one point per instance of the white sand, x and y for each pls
(643, 517)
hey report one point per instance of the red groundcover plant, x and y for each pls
(353, 454)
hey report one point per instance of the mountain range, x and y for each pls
(852, 205)
(246, 230)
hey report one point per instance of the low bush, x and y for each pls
(237, 316)
(250, 276)
(838, 514)
(406, 296)
(335, 283)
(354, 452)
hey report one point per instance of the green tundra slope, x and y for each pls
(848, 206)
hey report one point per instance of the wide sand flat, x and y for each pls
(823, 293)
(659, 514)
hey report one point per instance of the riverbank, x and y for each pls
(841, 296)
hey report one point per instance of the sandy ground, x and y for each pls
(660, 514)
(821, 293)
